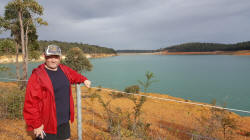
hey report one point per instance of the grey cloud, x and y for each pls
(146, 24)
(81, 10)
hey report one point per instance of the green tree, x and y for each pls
(7, 46)
(86, 48)
(124, 124)
(7, 24)
(138, 125)
(76, 59)
(20, 19)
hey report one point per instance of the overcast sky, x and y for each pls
(144, 24)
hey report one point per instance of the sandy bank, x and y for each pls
(136, 53)
(12, 58)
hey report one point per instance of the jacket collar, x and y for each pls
(45, 80)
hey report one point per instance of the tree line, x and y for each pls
(207, 47)
(7, 46)
(86, 48)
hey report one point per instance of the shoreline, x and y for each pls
(12, 58)
(136, 54)
(242, 52)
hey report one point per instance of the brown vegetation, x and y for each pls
(168, 120)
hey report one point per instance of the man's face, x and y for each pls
(52, 61)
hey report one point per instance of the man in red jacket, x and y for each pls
(48, 104)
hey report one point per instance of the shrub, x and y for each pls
(76, 59)
(126, 124)
(4, 68)
(132, 89)
(7, 46)
(34, 55)
(120, 123)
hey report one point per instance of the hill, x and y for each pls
(7, 46)
(65, 46)
(207, 47)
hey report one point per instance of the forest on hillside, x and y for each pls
(65, 46)
(207, 47)
(7, 46)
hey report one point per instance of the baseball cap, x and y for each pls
(52, 50)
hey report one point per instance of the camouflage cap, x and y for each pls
(52, 50)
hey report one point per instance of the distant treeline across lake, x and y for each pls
(196, 47)
(207, 47)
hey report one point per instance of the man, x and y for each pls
(48, 104)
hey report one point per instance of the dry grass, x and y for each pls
(168, 120)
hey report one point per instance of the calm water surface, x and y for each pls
(199, 78)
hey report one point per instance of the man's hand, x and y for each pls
(87, 83)
(39, 132)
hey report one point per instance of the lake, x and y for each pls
(199, 78)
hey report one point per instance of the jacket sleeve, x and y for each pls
(33, 96)
(75, 77)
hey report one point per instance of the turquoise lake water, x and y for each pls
(201, 78)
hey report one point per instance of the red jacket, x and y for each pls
(39, 104)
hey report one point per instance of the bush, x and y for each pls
(34, 55)
(123, 124)
(126, 124)
(4, 68)
(132, 89)
(7, 46)
(76, 59)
